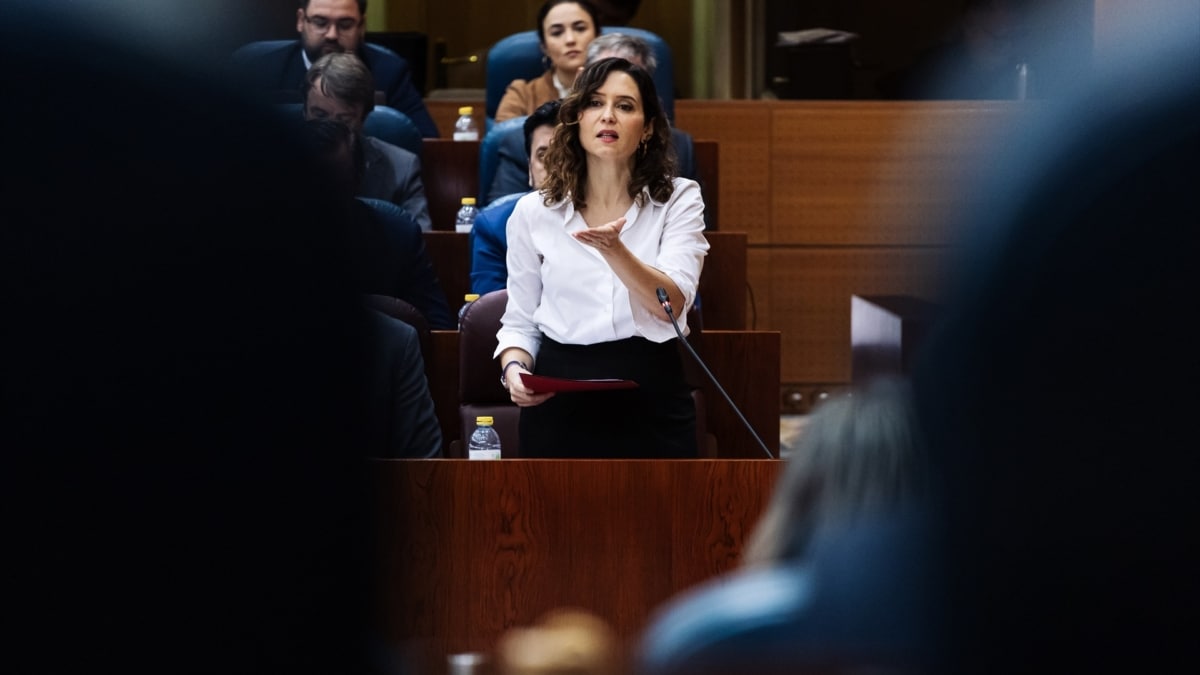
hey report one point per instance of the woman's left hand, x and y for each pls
(604, 238)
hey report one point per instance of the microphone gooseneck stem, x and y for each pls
(666, 305)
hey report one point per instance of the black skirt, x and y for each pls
(656, 420)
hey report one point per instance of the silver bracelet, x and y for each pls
(503, 381)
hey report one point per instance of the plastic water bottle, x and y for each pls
(1024, 85)
(467, 300)
(485, 442)
(464, 126)
(465, 219)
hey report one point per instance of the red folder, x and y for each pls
(542, 384)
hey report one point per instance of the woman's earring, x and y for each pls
(546, 62)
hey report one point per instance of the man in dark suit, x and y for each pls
(385, 243)
(339, 87)
(327, 26)
(401, 418)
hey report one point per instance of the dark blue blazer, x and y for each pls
(391, 260)
(278, 66)
(401, 418)
(489, 245)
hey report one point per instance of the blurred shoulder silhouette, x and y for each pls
(183, 470)
(1058, 395)
(841, 569)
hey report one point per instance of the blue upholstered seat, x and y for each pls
(489, 153)
(392, 126)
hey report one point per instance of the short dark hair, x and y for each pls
(362, 6)
(551, 4)
(545, 115)
(343, 76)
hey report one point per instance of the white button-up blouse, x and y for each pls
(563, 288)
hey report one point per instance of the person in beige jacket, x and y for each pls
(565, 29)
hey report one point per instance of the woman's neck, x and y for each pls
(563, 81)
(607, 192)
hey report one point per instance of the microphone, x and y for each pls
(666, 305)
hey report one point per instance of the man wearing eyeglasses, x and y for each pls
(327, 26)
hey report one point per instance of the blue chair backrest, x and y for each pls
(392, 126)
(489, 156)
(519, 57)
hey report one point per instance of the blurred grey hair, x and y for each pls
(859, 456)
(629, 47)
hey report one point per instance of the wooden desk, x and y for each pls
(746, 363)
(472, 548)
(449, 171)
(450, 253)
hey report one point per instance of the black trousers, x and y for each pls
(656, 420)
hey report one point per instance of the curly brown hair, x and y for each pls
(566, 160)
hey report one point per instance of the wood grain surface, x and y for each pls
(470, 549)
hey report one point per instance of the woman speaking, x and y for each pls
(586, 254)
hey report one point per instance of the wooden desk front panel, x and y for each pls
(450, 253)
(449, 171)
(472, 548)
(723, 281)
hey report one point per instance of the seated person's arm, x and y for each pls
(410, 195)
(488, 249)
(512, 166)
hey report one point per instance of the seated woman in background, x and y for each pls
(564, 28)
(586, 256)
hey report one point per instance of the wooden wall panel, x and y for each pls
(743, 130)
(876, 173)
(843, 197)
(810, 300)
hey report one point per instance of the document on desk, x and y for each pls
(542, 384)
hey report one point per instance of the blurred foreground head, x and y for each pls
(179, 363)
(564, 641)
(1059, 394)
